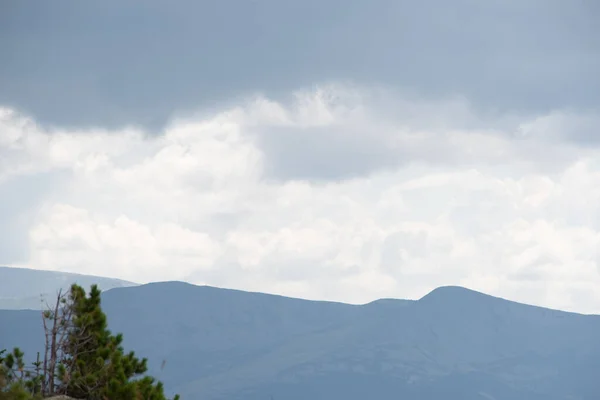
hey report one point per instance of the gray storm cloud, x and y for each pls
(114, 63)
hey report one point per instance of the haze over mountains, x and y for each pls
(22, 288)
(453, 343)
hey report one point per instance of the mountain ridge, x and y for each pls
(444, 290)
(24, 288)
(239, 345)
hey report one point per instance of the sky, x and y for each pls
(334, 150)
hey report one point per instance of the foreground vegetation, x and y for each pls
(81, 359)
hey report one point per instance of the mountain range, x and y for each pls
(454, 343)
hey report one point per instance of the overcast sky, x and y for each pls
(342, 150)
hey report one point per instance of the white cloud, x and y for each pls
(75, 240)
(441, 196)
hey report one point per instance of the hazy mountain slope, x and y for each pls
(511, 350)
(22, 328)
(452, 344)
(22, 288)
(221, 328)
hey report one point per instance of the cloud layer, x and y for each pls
(340, 193)
(104, 64)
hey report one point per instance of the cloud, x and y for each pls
(75, 240)
(85, 65)
(336, 193)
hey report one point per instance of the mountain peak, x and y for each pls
(461, 298)
(453, 291)
(454, 296)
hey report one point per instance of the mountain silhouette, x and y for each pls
(454, 343)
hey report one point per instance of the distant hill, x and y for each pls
(22, 288)
(453, 343)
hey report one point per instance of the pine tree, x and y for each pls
(15, 380)
(96, 366)
(83, 359)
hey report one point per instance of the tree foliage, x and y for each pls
(82, 358)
